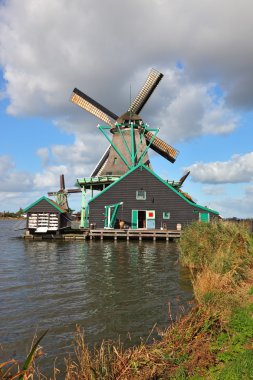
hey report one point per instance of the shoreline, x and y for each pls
(214, 340)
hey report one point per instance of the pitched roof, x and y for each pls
(161, 180)
(50, 201)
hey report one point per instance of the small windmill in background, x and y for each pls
(61, 196)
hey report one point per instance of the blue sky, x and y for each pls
(203, 106)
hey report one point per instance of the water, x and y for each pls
(109, 288)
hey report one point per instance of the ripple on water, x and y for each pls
(108, 288)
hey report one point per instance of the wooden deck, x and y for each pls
(134, 234)
(113, 234)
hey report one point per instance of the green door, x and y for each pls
(134, 219)
(204, 216)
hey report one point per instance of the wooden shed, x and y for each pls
(46, 216)
(142, 199)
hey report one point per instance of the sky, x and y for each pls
(106, 48)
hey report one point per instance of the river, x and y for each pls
(109, 288)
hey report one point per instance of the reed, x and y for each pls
(213, 341)
(13, 369)
(220, 257)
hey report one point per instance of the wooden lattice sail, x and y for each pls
(130, 136)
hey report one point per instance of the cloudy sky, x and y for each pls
(203, 106)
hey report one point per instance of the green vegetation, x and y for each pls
(213, 341)
(22, 371)
(8, 214)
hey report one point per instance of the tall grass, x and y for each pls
(12, 369)
(222, 246)
(213, 341)
(220, 257)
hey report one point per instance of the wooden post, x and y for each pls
(82, 225)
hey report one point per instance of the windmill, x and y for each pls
(62, 194)
(131, 137)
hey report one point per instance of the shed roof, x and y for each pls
(50, 201)
(142, 166)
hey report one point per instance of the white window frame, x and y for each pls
(166, 217)
(150, 217)
(140, 198)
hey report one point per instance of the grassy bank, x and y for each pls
(213, 341)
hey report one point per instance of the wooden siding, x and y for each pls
(159, 197)
(45, 207)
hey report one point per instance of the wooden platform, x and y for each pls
(113, 234)
(134, 234)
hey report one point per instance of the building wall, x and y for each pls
(44, 207)
(158, 197)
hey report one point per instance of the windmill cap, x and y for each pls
(128, 116)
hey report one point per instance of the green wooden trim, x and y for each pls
(134, 219)
(106, 217)
(148, 145)
(181, 195)
(114, 214)
(114, 208)
(108, 187)
(83, 208)
(123, 139)
(204, 217)
(46, 199)
(132, 144)
(138, 147)
(166, 215)
(142, 166)
(101, 128)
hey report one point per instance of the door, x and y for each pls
(134, 219)
(110, 215)
(204, 216)
(138, 219)
(143, 219)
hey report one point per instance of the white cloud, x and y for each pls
(214, 191)
(50, 47)
(5, 164)
(49, 177)
(249, 191)
(43, 154)
(238, 169)
(190, 110)
(230, 207)
(11, 178)
(13, 201)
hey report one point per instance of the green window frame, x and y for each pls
(166, 215)
(141, 195)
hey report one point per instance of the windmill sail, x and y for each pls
(161, 147)
(128, 144)
(101, 163)
(90, 105)
(149, 86)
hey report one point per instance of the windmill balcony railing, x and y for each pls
(88, 180)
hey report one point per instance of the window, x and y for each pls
(166, 215)
(141, 195)
(150, 214)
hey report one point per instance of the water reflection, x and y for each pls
(109, 288)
